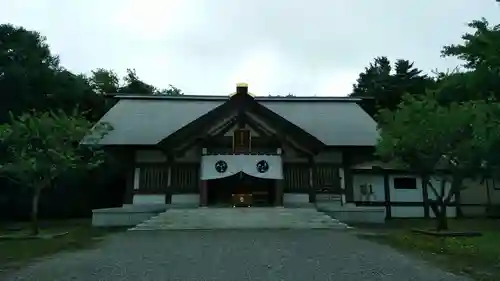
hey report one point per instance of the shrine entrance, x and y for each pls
(241, 190)
(240, 180)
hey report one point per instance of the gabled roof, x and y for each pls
(241, 104)
(146, 120)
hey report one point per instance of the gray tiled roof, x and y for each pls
(146, 122)
(333, 123)
(138, 121)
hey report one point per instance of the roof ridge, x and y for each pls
(223, 98)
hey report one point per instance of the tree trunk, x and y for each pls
(456, 187)
(458, 202)
(439, 209)
(442, 220)
(34, 211)
(425, 186)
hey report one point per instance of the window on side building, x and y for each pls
(405, 183)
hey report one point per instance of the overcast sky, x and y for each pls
(304, 47)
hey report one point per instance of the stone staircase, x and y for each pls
(241, 218)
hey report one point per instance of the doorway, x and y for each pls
(220, 191)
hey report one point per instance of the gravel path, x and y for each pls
(301, 255)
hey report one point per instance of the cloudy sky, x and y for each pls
(304, 47)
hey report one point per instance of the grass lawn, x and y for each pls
(478, 257)
(15, 253)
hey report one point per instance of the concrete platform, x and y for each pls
(351, 214)
(128, 215)
(241, 218)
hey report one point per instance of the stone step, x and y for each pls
(241, 218)
(184, 226)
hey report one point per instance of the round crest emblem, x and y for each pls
(221, 166)
(262, 166)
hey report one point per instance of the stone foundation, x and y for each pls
(128, 215)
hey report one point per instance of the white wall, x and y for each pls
(147, 199)
(494, 193)
(414, 195)
(495, 196)
(405, 195)
(474, 192)
(186, 199)
(377, 182)
(474, 196)
(290, 198)
(396, 195)
(407, 211)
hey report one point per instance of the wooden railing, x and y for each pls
(184, 178)
(153, 179)
(326, 178)
(296, 175)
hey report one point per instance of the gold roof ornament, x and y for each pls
(242, 85)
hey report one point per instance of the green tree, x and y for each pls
(451, 142)
(32, 78)
(43, 146)
(170, 91)
(387, 85)
(134, 85)
(104, 81)
(480, 48)
(26, 69)
(480, 53)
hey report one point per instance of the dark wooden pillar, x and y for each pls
(425, 198)
(348, 184)
(458, 204)
(129, 185)
(203, 184)
(348, 176)
(278, 199)
(128, 156)
(203, 188)
(387, 196)
(168, 186)
(488, 193)
(312, 186)
(203, 193)
(168, 171)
